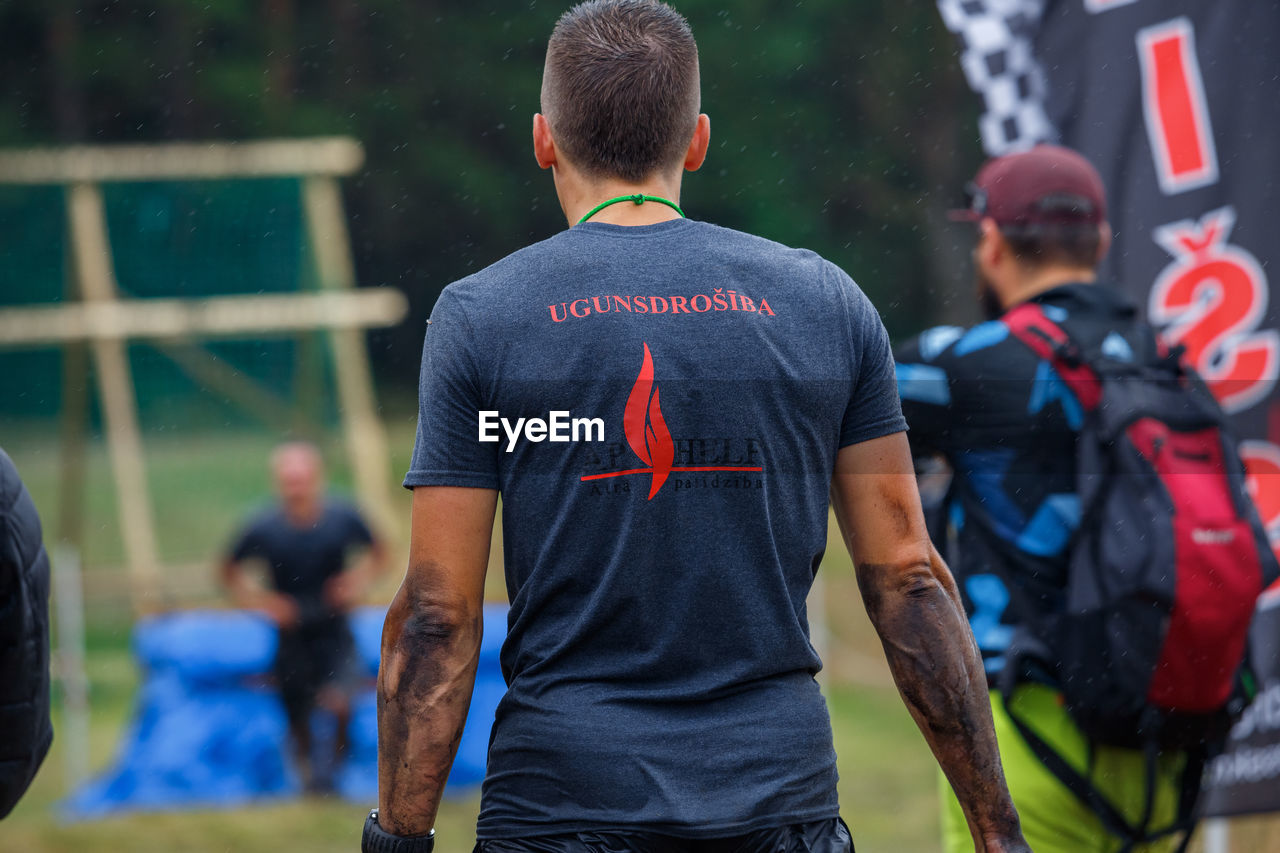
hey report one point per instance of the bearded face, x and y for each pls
(988, 299)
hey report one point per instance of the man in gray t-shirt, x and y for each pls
(664, 406)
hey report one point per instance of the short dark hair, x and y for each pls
(620, 87)
(1072, 244)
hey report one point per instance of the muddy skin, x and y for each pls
(904, 524)
(430, 650)
(920, 620)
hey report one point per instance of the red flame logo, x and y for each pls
(645, 428)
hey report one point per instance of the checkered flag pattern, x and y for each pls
(997, 39)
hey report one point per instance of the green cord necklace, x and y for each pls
(638, 198)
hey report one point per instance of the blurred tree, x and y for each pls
(836, 126)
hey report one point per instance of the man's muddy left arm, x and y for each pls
(430, 650)
(915, 607)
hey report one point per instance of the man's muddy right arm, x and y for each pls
(915, 606)
(430, 652)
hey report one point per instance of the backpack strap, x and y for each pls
(1074, 781)
(1029, 324)
(1115, 823)
(1189, 795)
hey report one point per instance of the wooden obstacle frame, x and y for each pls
(96, 322)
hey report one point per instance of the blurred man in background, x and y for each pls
(661, 676)
(25, 729)
(993, 401)
(307, 542)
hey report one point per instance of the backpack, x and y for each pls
(1163, 574)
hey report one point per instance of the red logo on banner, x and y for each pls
(1174, 105)
(1213, 297)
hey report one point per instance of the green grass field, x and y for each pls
(886, 786)
(203, 484)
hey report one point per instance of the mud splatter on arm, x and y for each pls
(430, 651)
(915, 606)
(939, 673)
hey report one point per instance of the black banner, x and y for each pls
(1243, 781)
(1177, 104)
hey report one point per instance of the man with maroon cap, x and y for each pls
(1006, 425)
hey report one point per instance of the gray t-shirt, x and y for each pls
(658, 658)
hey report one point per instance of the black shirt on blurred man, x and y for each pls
(306, 542)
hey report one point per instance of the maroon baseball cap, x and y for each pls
(1047, 184)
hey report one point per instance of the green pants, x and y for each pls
(1054, 820)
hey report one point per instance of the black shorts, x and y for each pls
(823, 836)
(311, 658)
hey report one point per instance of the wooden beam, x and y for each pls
(92, 253)
(332, 156)
(72, 437)
(366, 442)
(251, 316)
(310, 349)
(214, 374)
(68, 661)
(308, 381)
(73, 429)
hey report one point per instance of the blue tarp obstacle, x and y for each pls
(209, 730)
